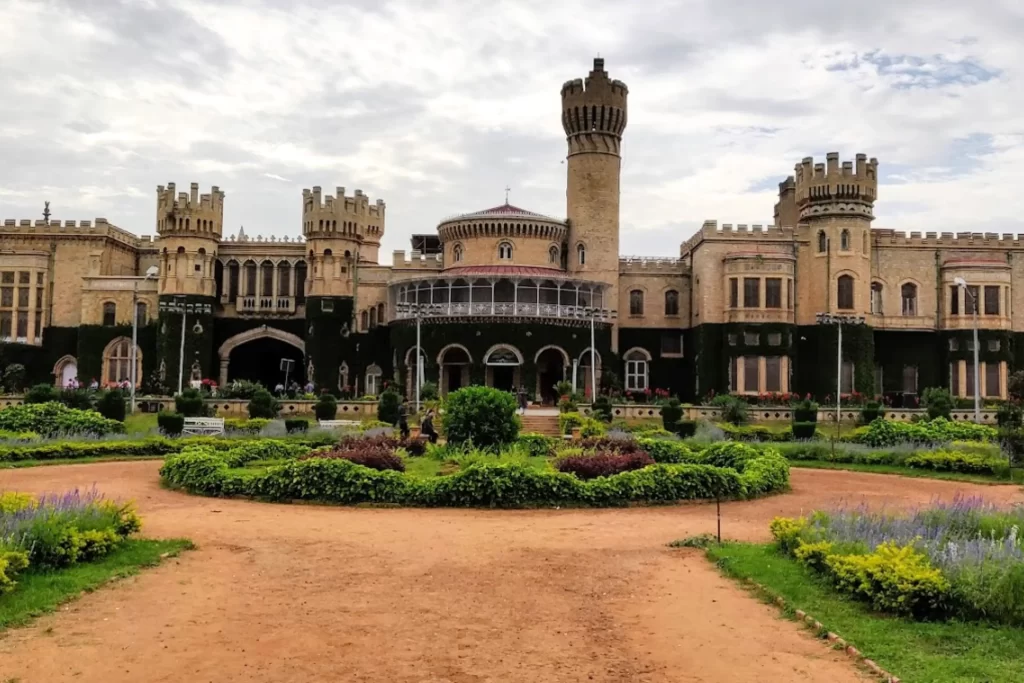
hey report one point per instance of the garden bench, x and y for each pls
(337, 424)
(203, 425)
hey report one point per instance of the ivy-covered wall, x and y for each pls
(479, 336)
(198, 345)
(331, 340)
(673, 373)
(815, 362)
(39, 360)
(713, 350)
(93, 339)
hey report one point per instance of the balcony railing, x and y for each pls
(500, 309)
(759, 315)
(265, 304)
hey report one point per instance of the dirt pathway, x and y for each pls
(288, 593)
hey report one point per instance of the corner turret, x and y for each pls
(594, 112)
(828, 190)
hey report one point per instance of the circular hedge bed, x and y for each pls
(750, 473)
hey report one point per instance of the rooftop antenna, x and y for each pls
(46, 211)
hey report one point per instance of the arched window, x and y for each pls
(373, 380)
(505, 251)
(822, 242)
(250, 278)
(864, 247)
(553, 255)
(581, 254)
(364, 320)
(876, 298)
(845, 292)
(636, 370)
(636, 302)
(373, 316)
(140, 313)
(908, 293)
(284, 279)
(109, 313)
(457, 252)
(117, 361)
(844, 240)
(268, 278)
(671, 302)
(328, 252)
(380, 314)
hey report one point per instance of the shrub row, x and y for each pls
(977, 459)
(886, 433)
(50, 419)
(480, 485)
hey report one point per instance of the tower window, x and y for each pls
(581, 254)
(505, 251)
(845, 292)
(909, 294)
(822, 242)
(876, 298)
(457, 253)
(671, 302)
(109, 314)
(844, 240)
(636, 302)
(553, 255)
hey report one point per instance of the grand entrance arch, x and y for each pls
(504, 364)
(256, 355)
(551, 362)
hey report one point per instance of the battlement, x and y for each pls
(416, 259)
(652, 264)
(99, 227)
(886, 237)
(831, 189)
(341, 215)
(595, 105)
(189, 212)
(710, 230)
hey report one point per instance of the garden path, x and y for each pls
(308, 593)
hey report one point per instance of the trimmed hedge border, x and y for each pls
(206, 472)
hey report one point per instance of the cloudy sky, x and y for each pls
(436, 105)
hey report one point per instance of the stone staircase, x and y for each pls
(540, 422)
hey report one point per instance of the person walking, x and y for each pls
(522, 400)
(403, 418)
(427, 426)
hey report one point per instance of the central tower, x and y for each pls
(594, 117)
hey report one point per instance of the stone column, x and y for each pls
(223, 380)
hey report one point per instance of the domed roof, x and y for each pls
(506, 210)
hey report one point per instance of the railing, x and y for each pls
(265, 304)
(500, 309)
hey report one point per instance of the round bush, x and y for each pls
(170, 424)
(484, 416)
(803, 431)
(326, 407)
(42, 393)
(296, 425)
(671, 413)
(190, 403)
(388, 405)
(110, 404)
(729, 454)
(51, 419)
(263, 405)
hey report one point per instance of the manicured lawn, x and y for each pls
(949, 652)
(429, 467)
(41, 592)
(139, 423)
(1018, 475)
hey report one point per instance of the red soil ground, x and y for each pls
(287, 593)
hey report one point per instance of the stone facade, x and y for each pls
(514, 298)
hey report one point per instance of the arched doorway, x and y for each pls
(454, 361)
(551, 362)
(504, 364)
(65, 370)
(256, 355)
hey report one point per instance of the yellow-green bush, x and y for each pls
(892, 579)
(813, 555)
(787, 531)
(12, 501)
(11, 562)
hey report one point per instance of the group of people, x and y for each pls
(426, 424)
(293, 388)
(94, 385)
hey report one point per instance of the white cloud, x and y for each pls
(435, 106)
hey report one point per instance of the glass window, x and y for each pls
(505, 251)
(734, 293)
(993, 345)
(7, 297)
(118, 361)
(876, 298)
(284, 279)
(773, 373)
(457, 253)
(751, 338)
(672, 302)
(822, 242)
(364, 320)
(38, 326)
(39, 278)
(969, 389)
(22, 324)
(7, 277)
(109, 313)
(267, 288)
(971, 300)
(991, 300)
(250, 278)
(733, 375)
(992, 380)
(751, 292)
(553, 255)
(789, 294)
(373, 380)
(5, 324)
(846, 378)
(733, 339)
(751, 374)
(908, 293)
(774, 339)
(140, 313)
(909, 379)
(636, 302)
(845, 286)
(39, 297)
(581, 254)
(878, 379)
(773, 292)
(954, 344)
(327, 305)
(671, 343)
(844, 240)
(954, 378)
(954, 300)
(22, 297)
(636, 371)
(24, 277)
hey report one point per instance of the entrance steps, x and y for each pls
(540, 422)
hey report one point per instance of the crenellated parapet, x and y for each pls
(594, 112)
(740, 232)
(189, 214)
(832, 190)
(884, 237)
(340, 216)
(99, 227)
(638, 265)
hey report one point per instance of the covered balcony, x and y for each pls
(501, 292)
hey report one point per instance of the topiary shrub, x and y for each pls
(805, 411)
(170, 424)
(388, 406)
(263, 405)
(603, 464)
(871, 412)
(591, 428)
(79, 399)
(671, 413)
(729, 454)
(734, 409)
(686, 428)
(602, 409)
(298, 425)
(190, 403)
(326, 407)
(802, 431)
(537, 445)
(1009, 415)
(569, 421)
(14, 378)
(938, 401)
(110, 404)
(41, 393)
(482, 415)
(56, 419)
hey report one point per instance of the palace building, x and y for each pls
(508, 297)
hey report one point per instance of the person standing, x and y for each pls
(522, 400)
(427, 427)
(403, 418)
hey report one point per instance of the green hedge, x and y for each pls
(205, 471)
(959, 457)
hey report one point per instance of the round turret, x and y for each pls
(189, 226)
(594, 112)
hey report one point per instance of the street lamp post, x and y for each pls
(839, 321)
(151, 273)
(418, 310)
(962, 284)
(180, 305)
(593, 313)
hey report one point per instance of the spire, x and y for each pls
(241, 233)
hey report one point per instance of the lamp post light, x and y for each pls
(593, 313)
(839, 321)
(962, 284)
(151, 273)
(418, 310)
(180, 305)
